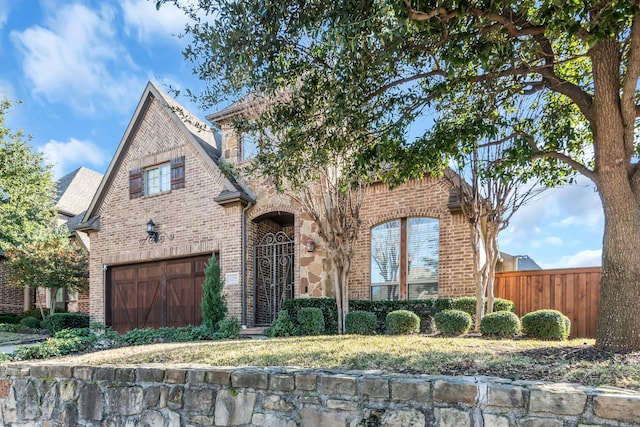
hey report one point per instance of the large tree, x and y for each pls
(385, 69)
(27, 192)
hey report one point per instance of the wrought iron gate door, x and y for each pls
(273, 275)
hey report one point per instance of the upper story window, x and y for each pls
(248, 146)
(405, 259)
(157, 179)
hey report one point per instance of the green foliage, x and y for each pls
(26, 187)
(468, 305)
(9, 318)
(282, 326)
(311, 321)
(39, 312)
(52, 262)
(500, 304)
(59, 321)
(546, 324)
(214, 306)
(502, 324)
(401, 322)
(360, 322)
(141, 336)
(228, 328)
(31, 322)
(62, 343)
(453, 322)
(326, 305)
(10, 327)
(424, 308)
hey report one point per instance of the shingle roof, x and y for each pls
(76, 190)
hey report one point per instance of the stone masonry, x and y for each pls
(48, 395)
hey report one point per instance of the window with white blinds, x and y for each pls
(405, 259)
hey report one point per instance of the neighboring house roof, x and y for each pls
(76, 190)
(525, 262)
(200, 135)
(518, 262)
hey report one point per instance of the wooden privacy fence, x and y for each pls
(574, 292)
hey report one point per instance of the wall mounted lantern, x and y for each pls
(311, 245)
(153, 236)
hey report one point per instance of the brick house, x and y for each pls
(164, 208)
(74, 192)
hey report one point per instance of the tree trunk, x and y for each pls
(493, 253)
(480, 267)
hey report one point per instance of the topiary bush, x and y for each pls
(453, 322)
(30, 322)
(326, 305)
(468, 305)
(423, 308)
(311, 321)
(360, 322)
(500, 304)
(503, 324)
(546, 324)
(59, 321)
(282, 326)
(402, 322)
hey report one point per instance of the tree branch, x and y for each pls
(577, 166)
(629, 85)
(440, 12)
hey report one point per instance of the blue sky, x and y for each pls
(79, 69)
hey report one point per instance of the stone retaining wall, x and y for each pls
(47, 395)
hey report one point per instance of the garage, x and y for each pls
(155, 294)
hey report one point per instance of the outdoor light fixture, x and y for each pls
(153, 236)
(310, 245)
(151, 231)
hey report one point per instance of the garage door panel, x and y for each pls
(153, 295)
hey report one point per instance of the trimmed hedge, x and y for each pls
(453, 322)
(282, 326)
(546, 324)
(468, 305)
(59, 321)
(326, 305)
(424, 309)
(360, 322)
(9, 318)
(502, 324)
(311, 321)
(30, 322)
(402, 322)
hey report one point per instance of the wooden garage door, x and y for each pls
(152, 295)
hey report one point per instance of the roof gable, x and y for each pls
(76, 190)
(198, 134)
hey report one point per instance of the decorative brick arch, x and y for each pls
(440, 214)
(258, 211)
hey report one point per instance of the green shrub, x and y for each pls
(311, 321)
(140, 336)
(9, 318)
(468, 305)
(282, 326)
(213, 305)
(546, 324)
(402, 322)
(501, 323)
(10, 327)
(326, 305)
(423, 308)
(59, 321)
(30, 322)
(360, 322)
(441, 304)
(228, 328)
(63, 342)
(453, 322)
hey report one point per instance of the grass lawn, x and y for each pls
(574, 361)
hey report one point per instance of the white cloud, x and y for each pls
(148, 24)
(65, 156)
(584, 258)
(76, 59)
(553, 240)
(4, 13)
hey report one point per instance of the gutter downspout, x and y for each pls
(244, 264)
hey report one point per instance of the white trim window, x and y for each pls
(157, 179)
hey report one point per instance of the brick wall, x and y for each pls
(199, 225)
(11, 297)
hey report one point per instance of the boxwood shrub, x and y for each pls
(424, 309)
(546, 324)
(282, 326)
(326, 305)
(59, 321)
(468, 305)
(402, 322)
(10, 318)
(311, 321)
(503, 324)
(453, 322)
(30, 322)
(360, 322)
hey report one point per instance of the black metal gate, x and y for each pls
(273, 275)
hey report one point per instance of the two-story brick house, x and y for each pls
(164, 208)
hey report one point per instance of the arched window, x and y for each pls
(405, 258)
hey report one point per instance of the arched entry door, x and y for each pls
(273, 275)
